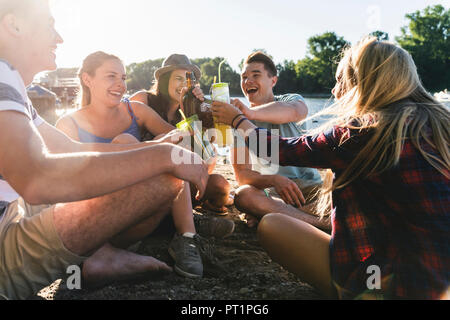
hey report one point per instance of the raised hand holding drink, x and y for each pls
(221, 92)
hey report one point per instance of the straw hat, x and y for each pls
(177, 61)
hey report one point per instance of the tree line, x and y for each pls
(425, 37)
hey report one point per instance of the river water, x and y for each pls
(317, 104)
(314, 105)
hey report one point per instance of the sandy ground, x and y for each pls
(240, 269)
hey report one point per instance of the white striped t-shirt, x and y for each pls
(13, 96)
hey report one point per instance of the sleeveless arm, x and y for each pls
(148, 118)
(68, 125)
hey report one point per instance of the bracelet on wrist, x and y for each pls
(237, 116)
(239, 123)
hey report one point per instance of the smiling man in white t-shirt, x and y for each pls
(60, 201)
(266, 188)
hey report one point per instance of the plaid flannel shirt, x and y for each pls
(398, 220)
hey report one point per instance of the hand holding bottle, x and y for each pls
(196, 91)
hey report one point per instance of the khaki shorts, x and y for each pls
(32, 255)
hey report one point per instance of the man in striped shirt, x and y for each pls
(61, 202)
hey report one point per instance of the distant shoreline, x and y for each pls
(316, 95)
(304, 95)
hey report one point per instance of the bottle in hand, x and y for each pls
(198, 111)
(192, 105)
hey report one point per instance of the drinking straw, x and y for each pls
(182, 114)
(214, 80)
(220, 65)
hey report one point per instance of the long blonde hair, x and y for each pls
(378, 88)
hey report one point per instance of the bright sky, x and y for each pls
(137, 30)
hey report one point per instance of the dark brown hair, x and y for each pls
(263, 58)
(158, 96)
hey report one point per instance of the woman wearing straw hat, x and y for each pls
(164, 98)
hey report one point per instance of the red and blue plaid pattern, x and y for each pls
(398, 220)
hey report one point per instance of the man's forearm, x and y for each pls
(57, 141)
(78, 176)
(253, 178)
(279, 112)
(30, 164)
(113, 147)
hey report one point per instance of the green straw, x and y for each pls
(220, 65)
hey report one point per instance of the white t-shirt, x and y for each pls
(13, 96)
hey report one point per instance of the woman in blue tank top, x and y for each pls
(105, 116)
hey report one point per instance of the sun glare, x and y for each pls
(135, 33)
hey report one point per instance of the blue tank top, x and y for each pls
(88, 137)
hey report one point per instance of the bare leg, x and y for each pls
(182, 211)
(254, 202)
(217, 193)
(110, 264)
(300, 248)
(85, 226)
(139, 231)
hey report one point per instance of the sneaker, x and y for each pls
(213, 227)
(184, 251)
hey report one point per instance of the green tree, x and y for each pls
(210, 69)
(426, 38)
(287, 78)
(382, 36)
(241, 65)
(316, 72)
(140, 75)
(327, 46)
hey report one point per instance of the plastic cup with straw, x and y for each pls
(188, 124)
(221, 92)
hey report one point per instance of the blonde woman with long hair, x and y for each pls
(388, 146)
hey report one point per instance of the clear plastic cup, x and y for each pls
(221, 92)
(191, 123)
